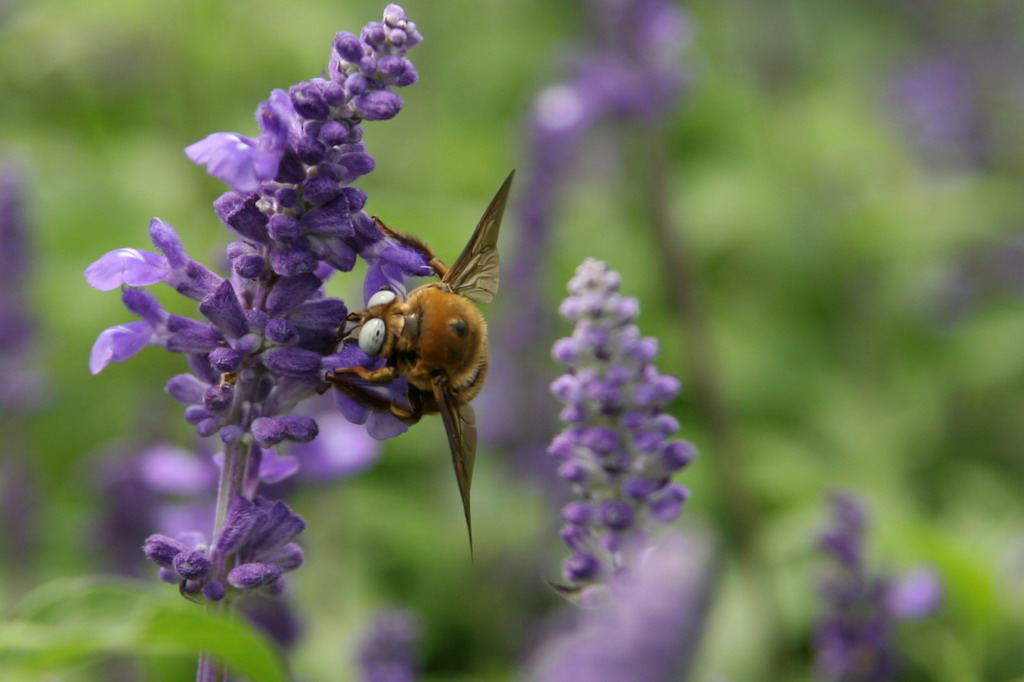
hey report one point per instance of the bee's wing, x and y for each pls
(460, 425)
(474, 274)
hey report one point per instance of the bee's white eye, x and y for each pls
(381, 297)
(371, 336)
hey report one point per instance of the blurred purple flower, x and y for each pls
(916, 594)
(854, 639)
(649, 629)
(616, 450)
(389, 652)
(159, 487)
(937, 102)
(274, 616)
(341, 450)
(977, 276)
(21, 388)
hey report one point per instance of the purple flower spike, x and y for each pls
(127, 266)
(614, 451)
(117, 344)
(235, 159)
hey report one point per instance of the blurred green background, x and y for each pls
(861, 288)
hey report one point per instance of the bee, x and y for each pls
(435, 339)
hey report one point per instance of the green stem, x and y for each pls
(740, 514)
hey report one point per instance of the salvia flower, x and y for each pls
(617, 449)
(266, 332)
(389, 651)
(855, 634)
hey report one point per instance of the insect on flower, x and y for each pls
(436, 339)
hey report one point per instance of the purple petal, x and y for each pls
(117, 344)
(281, 525)
(278, 120)
(268, 430)
(225, 359)
(243, 518)
(162, 549)
(213, 591)
(166, 239)
(289, 292)
(383, 425)
(199, 365)
(281, 331)
(133, 267)
(235, 159)
(170, 470)
(190, 336)
(579, 513)
(322, 314)
(383, 275)
(275, 468)
(187, 276)
(192, 565)
(146, 306)
(292, 262)
(293, 362)
(342, 449)
(253, 575)
(378, 105)
(288, 557)
(223, 309)
(239, 212)
(916, 594)
(356, 413)
(186, 389)
(300, 429)
(348, 46)
(666, 505)
(308, 100)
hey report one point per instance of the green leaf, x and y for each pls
(233, 641)
(80, 621)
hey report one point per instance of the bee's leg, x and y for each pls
(376, 402)
(344, 329)
(415, 242)
(383, 375)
